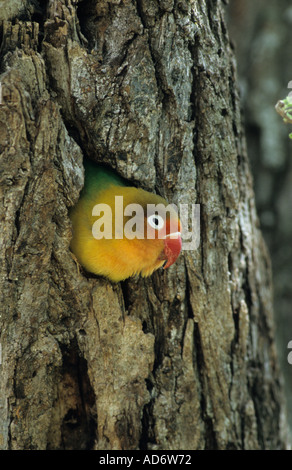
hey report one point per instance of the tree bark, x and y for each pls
(182, 360)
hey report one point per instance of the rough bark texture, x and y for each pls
(261, 32)
(176, 361)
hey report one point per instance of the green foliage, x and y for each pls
(288, 108)
(284, 108)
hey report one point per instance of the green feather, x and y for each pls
(97, 178)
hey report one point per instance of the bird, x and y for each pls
(121, 231)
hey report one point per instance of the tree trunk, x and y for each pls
(184, 359)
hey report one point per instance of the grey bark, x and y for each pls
(182, 360)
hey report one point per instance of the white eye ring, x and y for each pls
(156, 221)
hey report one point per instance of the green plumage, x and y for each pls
(97, 178)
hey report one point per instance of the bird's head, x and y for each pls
(156, 228)
(162, 229)
(145, 228)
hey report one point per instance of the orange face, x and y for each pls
(168, 230)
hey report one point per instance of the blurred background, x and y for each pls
(261, 32)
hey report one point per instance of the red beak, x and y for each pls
(172, 248)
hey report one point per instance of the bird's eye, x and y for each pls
(156, 221)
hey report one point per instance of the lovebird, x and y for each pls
(120, 231)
